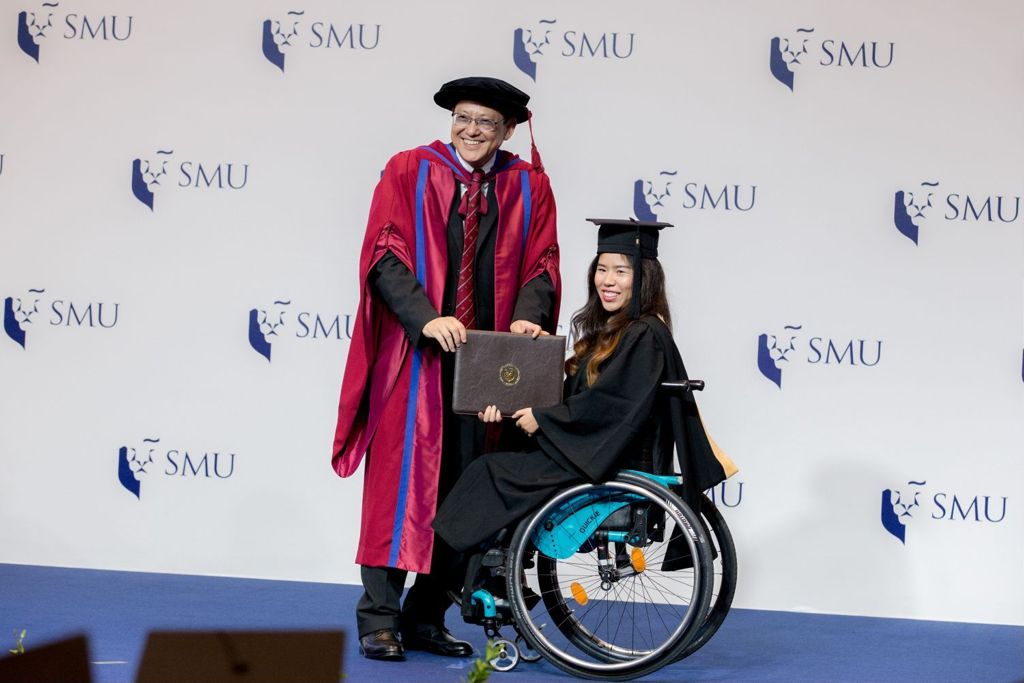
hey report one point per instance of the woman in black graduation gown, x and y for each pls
(613, 415)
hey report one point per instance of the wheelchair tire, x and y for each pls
(613, 629)
(725, 569)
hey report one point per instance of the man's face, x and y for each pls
(474, 144)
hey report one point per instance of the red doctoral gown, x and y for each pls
(391, 404)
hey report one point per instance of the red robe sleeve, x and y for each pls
(374, 334)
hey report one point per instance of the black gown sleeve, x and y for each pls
(536, 302)
(400, 291)
(594, 428)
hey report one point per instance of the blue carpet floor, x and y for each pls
(117, 609)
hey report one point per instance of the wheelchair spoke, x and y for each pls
(635, 595)
(650, 626)
(644, 599)
(625, 605)
(661, 583)
(652, 607)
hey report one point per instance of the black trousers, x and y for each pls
(427, 601)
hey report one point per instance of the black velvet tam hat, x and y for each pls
(630, 237)
(490, 92)
(636, 239)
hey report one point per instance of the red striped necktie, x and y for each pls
(472, 205)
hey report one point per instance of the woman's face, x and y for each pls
(613, 279)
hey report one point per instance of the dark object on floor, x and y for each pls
(250, 656)
(65, 661)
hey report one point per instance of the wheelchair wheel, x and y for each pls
(724, 587)
(608, 611)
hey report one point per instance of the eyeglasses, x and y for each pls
(484, 124)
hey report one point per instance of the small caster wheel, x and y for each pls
(507, 657)
(526, 653)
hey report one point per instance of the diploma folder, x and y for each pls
(511, 371)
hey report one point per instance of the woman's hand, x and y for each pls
(525, 421)
(490, 414)
(526, 327)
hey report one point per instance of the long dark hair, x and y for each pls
(598, 332)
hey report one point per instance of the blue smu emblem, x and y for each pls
(277, 36)
(529, 43)
(262, 327)
(18, 314)
(772, 350)
(908, 207)
(31, 27)
(648, 195)
(784, 54)
(897, 507)
(130, 464)
(146, 175)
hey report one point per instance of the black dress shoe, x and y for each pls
(382, 644)
(436, 640)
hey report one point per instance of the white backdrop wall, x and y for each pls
(846, 272)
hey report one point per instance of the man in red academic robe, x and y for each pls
(460, 235)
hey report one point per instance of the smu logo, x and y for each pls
(34, 26)
(135, 464)
(775, 351)
(20, 314)
(900, 505)
(280, 36)
(789, 53)
(667, 191)
(266, 326)
(911, 208)
(149, 174)
(530, 44)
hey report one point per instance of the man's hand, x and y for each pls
(525, 421)
(526, 327)
(447, 330)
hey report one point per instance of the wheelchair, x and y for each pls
(607, 581)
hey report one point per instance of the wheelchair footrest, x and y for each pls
(486, 609)
(484, 602)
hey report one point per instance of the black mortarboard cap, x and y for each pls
(618, 236)
(491, 92)
(636, 239)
